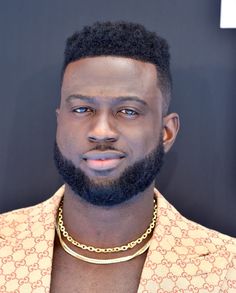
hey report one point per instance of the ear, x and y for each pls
(171, 126)
(57, 113)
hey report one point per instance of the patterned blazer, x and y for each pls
(183, 256)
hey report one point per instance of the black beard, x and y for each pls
(134, 179)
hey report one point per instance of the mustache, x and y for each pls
(105, 147)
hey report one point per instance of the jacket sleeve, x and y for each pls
(229, 284)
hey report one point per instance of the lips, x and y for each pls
(103, 160)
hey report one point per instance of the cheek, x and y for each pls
(68, 138)
(64, 141)
(143, 140)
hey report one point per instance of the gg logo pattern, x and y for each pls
(26, 247)
(187, 257)
(183, 256)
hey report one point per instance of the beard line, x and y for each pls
(133, 180)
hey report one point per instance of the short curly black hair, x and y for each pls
(123, 39)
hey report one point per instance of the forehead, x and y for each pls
(110, 76)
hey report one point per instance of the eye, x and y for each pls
(129, 112)
(81, 110)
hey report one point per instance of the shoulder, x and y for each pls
(190, 233)
(26, 245)
(20, 220)
(213, 240)
(19, 215)
(200, 235)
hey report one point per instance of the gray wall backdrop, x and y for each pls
(199, 173)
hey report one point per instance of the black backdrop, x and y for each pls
(199, 174)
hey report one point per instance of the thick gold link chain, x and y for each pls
(109, 249)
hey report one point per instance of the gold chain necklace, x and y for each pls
(100, 261)
(125, 247)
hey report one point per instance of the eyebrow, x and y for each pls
(80, 97)
(116, 100)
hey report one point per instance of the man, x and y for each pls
(107, 229)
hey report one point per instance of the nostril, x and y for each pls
(102, 139)
(92, 138)
(110, 139)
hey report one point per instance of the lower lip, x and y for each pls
(101, 165)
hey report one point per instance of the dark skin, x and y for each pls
(118, 101)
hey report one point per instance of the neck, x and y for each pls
(107, 226)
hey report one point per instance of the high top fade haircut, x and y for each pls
(123, 39)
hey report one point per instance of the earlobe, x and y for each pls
(170, 129)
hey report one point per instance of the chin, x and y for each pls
(103, 177)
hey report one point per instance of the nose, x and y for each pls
(103, 130)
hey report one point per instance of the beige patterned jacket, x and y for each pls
(183, 256)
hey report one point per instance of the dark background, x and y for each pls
(199, 174)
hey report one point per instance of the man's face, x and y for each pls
(110, 116)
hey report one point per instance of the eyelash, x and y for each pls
(132, 112)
